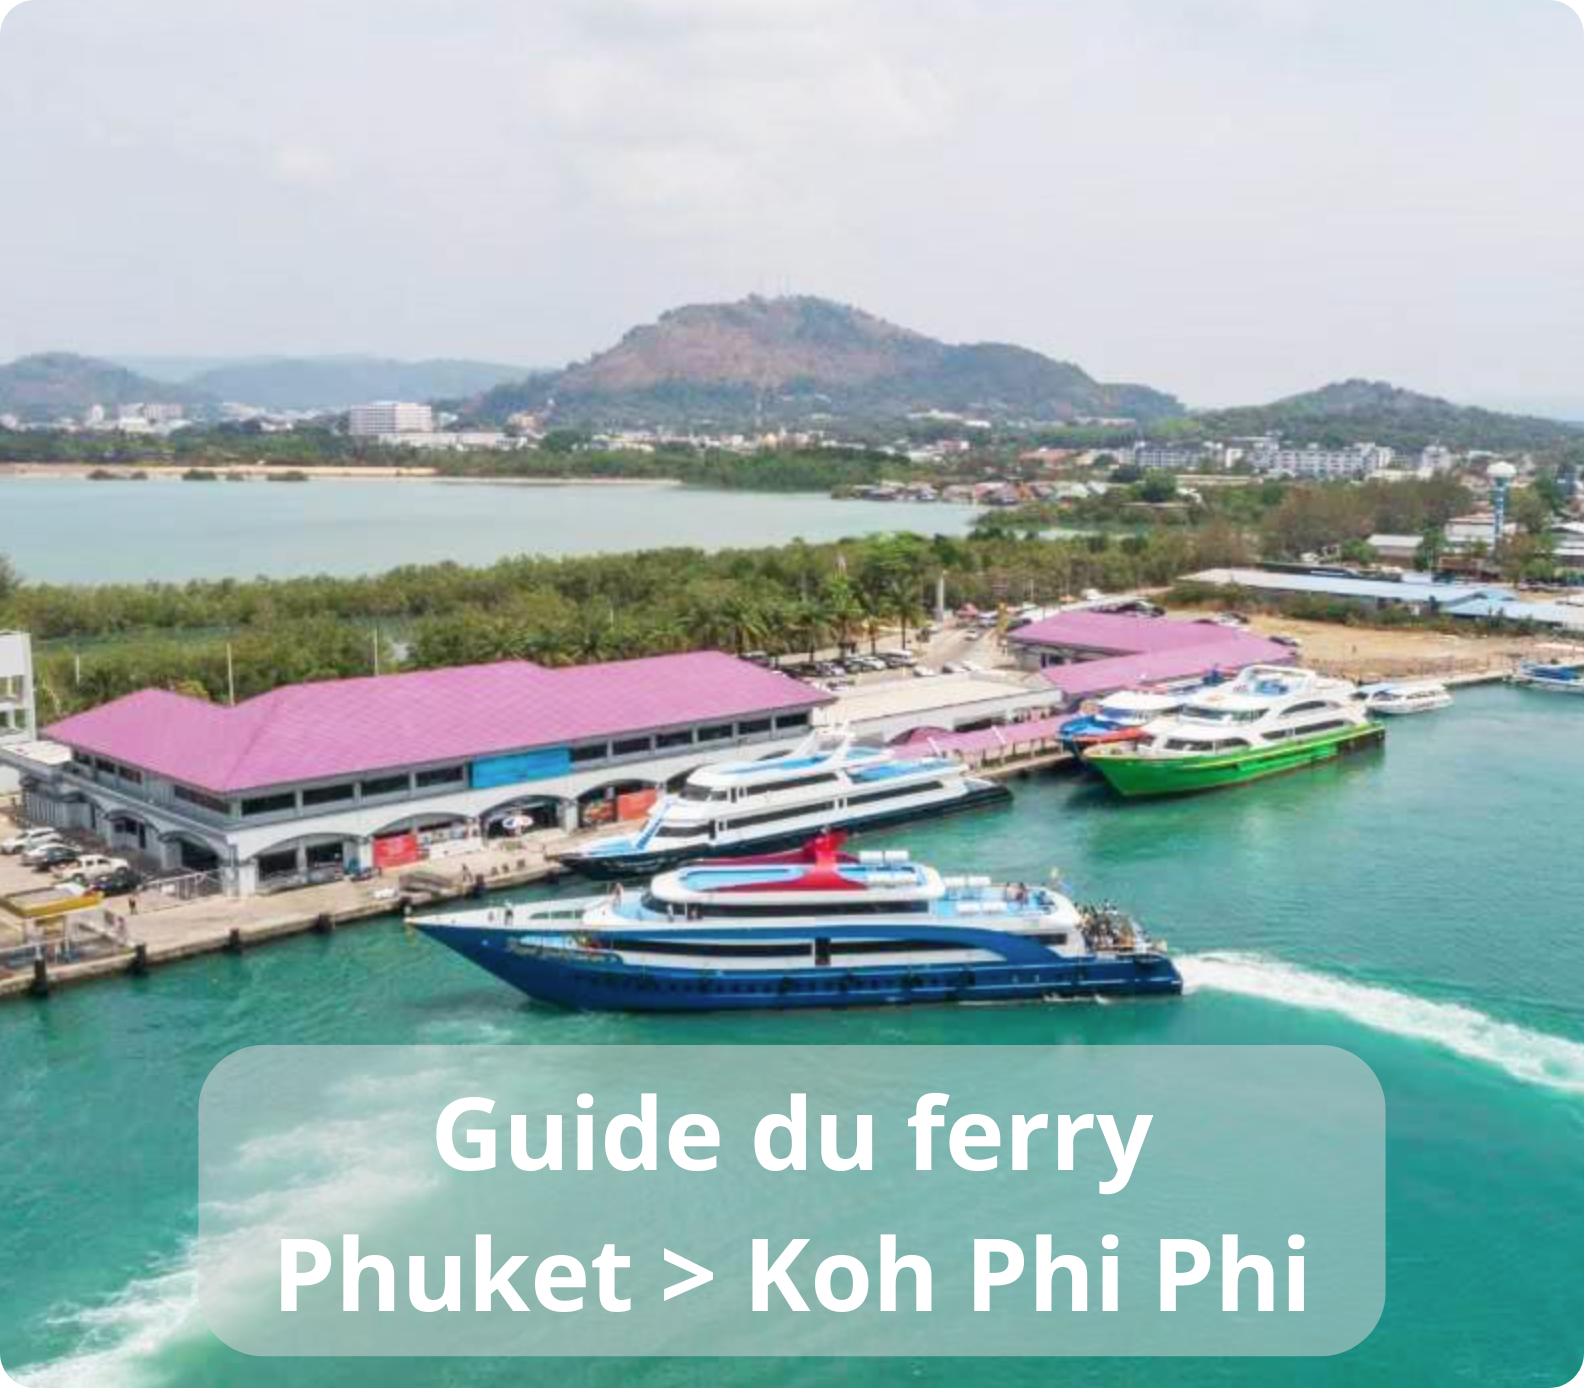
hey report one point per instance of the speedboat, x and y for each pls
(1271, 718)
(1398, 700)
(829, 781)
(1120, 717)
(817, 927)
(1562, 679)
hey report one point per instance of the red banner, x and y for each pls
(635, 804)
(396, 850)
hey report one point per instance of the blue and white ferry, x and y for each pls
(813, 928)
(829, 781)
(1556, 677)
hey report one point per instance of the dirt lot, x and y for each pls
(1366, 654)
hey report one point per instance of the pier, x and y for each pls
(109, 939)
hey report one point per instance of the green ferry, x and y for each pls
(1269, 720)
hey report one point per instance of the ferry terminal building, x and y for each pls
(313, 781)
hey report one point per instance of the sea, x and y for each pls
(73, 530)
(1419, 907)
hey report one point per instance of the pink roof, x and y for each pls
(987, 739)
(1225, 650)
(1121, 633)
(345, 727)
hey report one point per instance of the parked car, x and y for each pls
(87, 865)
(924, 672)
(898, 660)
(116, 882)
(50, 855)
(29, 838)
(1291, 642)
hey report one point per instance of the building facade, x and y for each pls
(317, 781)
(1322, 464)
(389, 417)
(18, 719)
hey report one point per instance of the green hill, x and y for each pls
(49, 384)
(766, 361)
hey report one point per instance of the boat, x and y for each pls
(1398, 700)
(815, 927)
(830, 780)
(1120, 717)
(1561, 679)
(1272, 718)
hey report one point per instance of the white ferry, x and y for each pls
(1399, 700)
(811, 928)
(829, 781)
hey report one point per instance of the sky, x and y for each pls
(1229, 199)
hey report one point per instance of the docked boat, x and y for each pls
(1268, 720)
(1121, 717)
(1559, 679)
(1399, 700)
(829, 781)
(816, 927)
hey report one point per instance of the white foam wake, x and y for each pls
(1534, 1056)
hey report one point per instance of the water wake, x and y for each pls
(1532, 1056)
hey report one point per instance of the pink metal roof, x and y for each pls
(1225, 650)
(1006, 735)
(347, 727)
(1121, 633)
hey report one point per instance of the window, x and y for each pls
(681, 739)
(325, 855)
(785, 812)
(269, 804)
(385, 785)
(796, 783)
(440, 776)
(1314, 707)
(328, 795)
(204, 802)
(631, 746)
(865, 797)
(690, 791)
(679, 831)
(715, 733)
(596, 751)
(792, 720)
(752, 726)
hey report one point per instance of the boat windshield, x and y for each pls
(696, 792)
(1208, 713)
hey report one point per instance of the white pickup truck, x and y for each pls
(91, 865)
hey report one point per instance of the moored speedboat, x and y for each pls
(1270, 719)
(1121, 717)
(1399, 700)
(829, 781)
(1557, 678)
(812, 928)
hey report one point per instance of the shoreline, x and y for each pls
(172, 472)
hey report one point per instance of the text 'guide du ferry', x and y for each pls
(812, 928)
(829, 781)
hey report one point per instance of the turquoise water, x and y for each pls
(1418, 907)
(70, 530)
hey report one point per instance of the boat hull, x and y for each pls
(1137, 776)
(650, 863)
(594, 981)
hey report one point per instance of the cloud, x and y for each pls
(301, 166)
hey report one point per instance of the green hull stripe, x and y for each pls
(1135, 775)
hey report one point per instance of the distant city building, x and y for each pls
(390, 417)
(1436, 459)
(1321, 464)
(458, 440)
(1154, 457)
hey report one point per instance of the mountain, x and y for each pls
(333, 383)
(49, 384)
(784, 360)
(1358, 411)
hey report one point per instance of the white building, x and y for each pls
(1315, 463)
(1178, 457)
(18, 721)
(390, 417)
(1436, 459)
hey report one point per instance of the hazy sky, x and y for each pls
(1231, 199)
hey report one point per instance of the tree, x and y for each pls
(1159, 486)
(10, 580)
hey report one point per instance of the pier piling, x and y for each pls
(40, 986)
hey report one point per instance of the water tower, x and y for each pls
(1501, 479)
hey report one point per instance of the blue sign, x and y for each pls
(521, 766)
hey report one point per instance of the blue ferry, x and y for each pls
(830, 780)
(817, 927)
